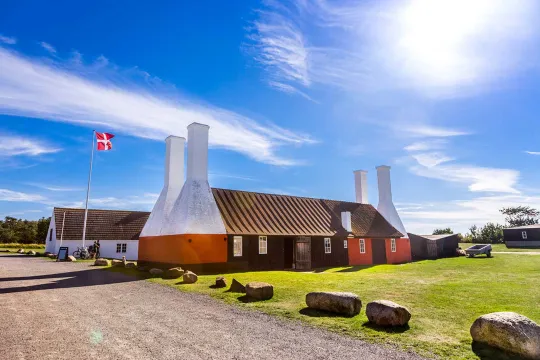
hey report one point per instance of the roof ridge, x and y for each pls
(108, 210)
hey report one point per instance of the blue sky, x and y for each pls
(298, 94)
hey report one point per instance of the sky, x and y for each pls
(297, 94)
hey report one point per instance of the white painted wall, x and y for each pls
(51, 243)
(107, 250)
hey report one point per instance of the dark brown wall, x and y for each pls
(273, 260)
(418, 247)
(338, 257)
(515, 234)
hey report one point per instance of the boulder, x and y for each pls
(117, 262)
(259, 290)
(20, 251)
(31, 252)
(190, 278)
(142, 268)
(510, 332)
(101, 262)
(71, 258)
(236, 287)
(46, 253)
(461, 252)
(221, 282)
(130, 265)
(387, 313)
(174, 273)
(156, 272)
(7, 250)
(337, 302)
(52, 256)
(124, 261)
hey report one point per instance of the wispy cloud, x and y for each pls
(14, 145)
(426, 145)
(533, 152)
(432, 131)
(48, 47)
(7, 40)
(101, 94)
(436, 48)
(54, 188)
(15, 196)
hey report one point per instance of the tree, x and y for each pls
(42, 229)
(520, 215)
(492, 233)
(14, 230)
(442, 231)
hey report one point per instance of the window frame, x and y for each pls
(393, 245)
(118, 248)
(263, 239)
(362, 246)
(327, 245)
(524, 235)
(346, 244)
(124, 248)
(235, 239)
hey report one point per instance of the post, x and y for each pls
(88, 188)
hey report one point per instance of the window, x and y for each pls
(362, 246)
(50, 235)
(393, 245)
(121, 248)
(345, 244)
(524, 235)
(237, 246)
(263, 245)
(327, 246)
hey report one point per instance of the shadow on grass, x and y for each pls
(386, 329)
(214, 286)
(319, 313)
(486, 352)
(246, 299)
(356, 268)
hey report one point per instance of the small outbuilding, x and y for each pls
(522, 236)
(433, 246)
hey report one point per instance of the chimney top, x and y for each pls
(175, 137)
(197, 124)
(383, 167)
(360, 171)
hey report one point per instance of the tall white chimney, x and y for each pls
(172, 186)
(386, 205)
(346, 220)
(195, 211)
(361, 186)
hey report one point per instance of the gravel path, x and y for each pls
(74, 311)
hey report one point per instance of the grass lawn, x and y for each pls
(445, 297)
(26, 249)
(500, 247)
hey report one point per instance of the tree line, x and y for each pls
(21, 231)
(492, 233)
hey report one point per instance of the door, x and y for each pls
(378, 249)
(303, 253)
(288, 252)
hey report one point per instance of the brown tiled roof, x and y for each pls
(249, 213)
(101, 224)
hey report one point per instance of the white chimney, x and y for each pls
(172, 185)
(346, 221)
(386, 206)
(361, 186)
(195, 211)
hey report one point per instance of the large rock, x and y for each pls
(387, 313)
(46, 253)
(52, 256)
(156, 272)
(20, 251)
(259, 290)
(221, 282)
(130, 265)
(174, 273)
(71, 258)
(337, 302)
(190, 278)
(117, 262)
(508, 331)
(101, 262)
(124, 261)
(31, 252)
(236, 287)
(142, 268)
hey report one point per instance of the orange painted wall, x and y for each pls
(402, 254)
(177, 249)
(355, 257)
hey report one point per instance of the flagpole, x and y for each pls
(88, 189)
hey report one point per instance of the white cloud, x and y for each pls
(533, 152)
(14, 145)
(426, 145)
(15, 196)
(105, 96)
(48, 47)
(53, 187)
(8, 40)
(435, 47)
(432, 131)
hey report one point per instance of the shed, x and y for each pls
(433, 246)
(522, 236)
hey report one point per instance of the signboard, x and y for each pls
(62, 253)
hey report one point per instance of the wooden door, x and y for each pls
(378, 250)
(303, 253)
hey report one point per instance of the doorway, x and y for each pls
(378, 249)
(303, 253)
(288, 253)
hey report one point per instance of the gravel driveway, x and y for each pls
(74, 311)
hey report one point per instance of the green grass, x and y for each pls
(500, 247)
(445, 297)
(24, 246)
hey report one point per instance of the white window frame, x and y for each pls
(237, 246)
(362, 246)
(345, 244)
(263, 245)
(524, 235)
(121, 248)
(393, 245)
(327, 246)
(124, 248)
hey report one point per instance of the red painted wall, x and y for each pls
(403, 251)
(355, 257)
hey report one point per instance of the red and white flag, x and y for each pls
(104, 141)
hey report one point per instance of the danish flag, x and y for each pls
(104, 141)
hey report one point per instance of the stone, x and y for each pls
(71, 258)
(31, 252)
(337, 302)
(156, 272)
(124, 261)
(259, 290)
(510, 332)
(190, 278)
(142, 268)
(174, 273)
(117, 262)
(101, 262)
(52, 256)
(461, 252)
(221, 282)
(20, 251)
(130, 265)
(7, 250)
(46, 253)
(236, 287)
(387, 313)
